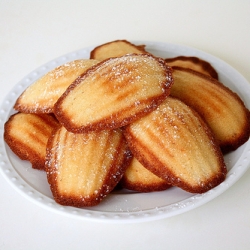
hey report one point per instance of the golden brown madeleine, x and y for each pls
(41, 96)
(222, 109)
(115, 49)
(114, 93)
(175, 144)
(83, 168)
(138, 178)
(27, 136)
(194, 63)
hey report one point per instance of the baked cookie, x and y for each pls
(114, 93)
(175, 144)
(140, 179)
(115, 49)
(194, 63)
(84, 168)
(41, 96)
(27, 136)
(221, 108)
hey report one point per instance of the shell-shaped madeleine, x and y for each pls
(140, 179)
(41, 96)
(27, 136)
(114, 93)
(221, 108)
(83, 168)
(115, 49)
(175, 144)
(194, 63)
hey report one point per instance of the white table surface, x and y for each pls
(33, 32)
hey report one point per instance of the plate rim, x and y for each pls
(16, 181)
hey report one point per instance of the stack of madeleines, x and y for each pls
(126, 118)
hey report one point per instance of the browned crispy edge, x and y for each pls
(22, 150)
(139, 187)
(153, 164)
(109, 183)
(204, 64)
(139, 47)
(230, 145)
(142, 187)
(107, 123)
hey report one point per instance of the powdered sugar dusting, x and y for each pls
(179, 140)
(113, 93)
(85, 166)
(42, 95)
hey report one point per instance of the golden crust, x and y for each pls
(83, 168)
(27, 136)
(221, 108)
(140, 179)
(114, 93)
(193, 63)
(174, 143)
(115, 49)
(41, 96)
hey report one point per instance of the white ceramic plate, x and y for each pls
(122, 207)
